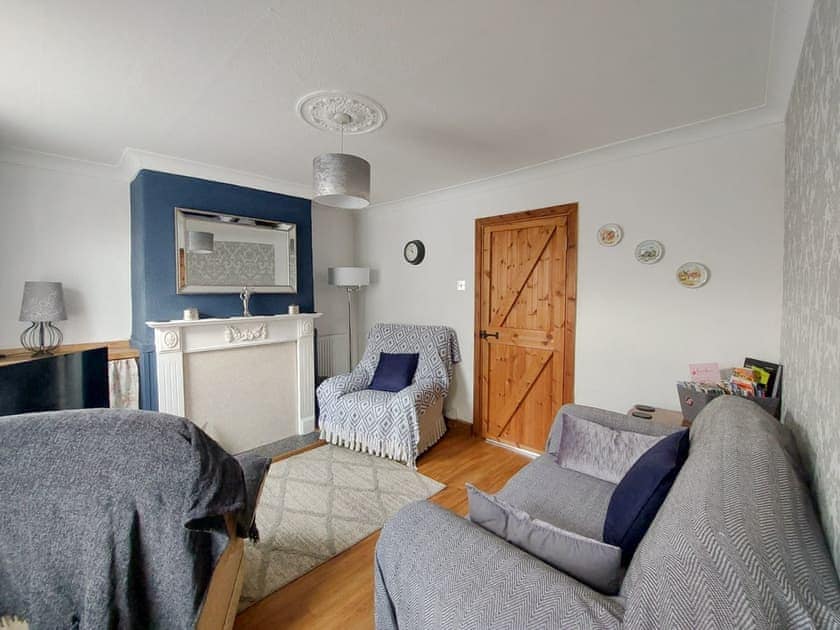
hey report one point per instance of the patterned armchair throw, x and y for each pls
(388, 423)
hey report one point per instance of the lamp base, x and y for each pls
(41, 338)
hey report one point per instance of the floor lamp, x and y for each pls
(351, 279)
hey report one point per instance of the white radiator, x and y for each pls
(332, 355)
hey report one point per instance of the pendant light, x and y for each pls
(341, 180)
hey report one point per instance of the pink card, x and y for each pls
(704, 372)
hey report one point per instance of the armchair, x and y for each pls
(400, 425)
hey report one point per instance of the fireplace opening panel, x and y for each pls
(245, 381)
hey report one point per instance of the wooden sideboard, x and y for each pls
(116, 350)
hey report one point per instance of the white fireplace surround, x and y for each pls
(175, 340)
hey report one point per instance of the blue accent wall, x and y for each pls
(154, 197)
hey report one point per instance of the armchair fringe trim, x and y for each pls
(383, 448)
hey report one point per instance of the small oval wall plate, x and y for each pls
(649, 252)
(610, 234)
(693, 275)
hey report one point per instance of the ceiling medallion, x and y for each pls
(324, 109)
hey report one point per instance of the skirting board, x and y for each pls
(515, 449)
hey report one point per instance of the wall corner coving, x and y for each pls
(154, 196)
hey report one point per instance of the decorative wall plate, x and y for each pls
(610, 234)
(649, 252)
(693, 275)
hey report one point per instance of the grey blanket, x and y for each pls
(112, 518)
(736, 544)
(388, 423)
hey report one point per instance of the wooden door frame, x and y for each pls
(570, 211)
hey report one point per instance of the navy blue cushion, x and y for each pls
(638, 496)
(394, 371)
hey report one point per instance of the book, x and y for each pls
(704, 372)
(773, 385)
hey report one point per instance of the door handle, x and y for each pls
(484, 334)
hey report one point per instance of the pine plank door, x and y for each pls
(525, 315)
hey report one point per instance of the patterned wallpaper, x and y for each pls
(233, 264)
(811, 317)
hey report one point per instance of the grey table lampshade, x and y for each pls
(200, 242)
(42, 304)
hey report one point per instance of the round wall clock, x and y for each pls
(414, 252)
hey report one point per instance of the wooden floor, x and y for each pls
(339, 593)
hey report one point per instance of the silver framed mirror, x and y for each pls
(221, 253)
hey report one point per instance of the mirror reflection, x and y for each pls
(222, 253)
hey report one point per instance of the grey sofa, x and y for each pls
(114, 518)
(736, 544)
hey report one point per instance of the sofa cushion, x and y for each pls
(565, 498)
(599, 451)
(639, 495)
(395, 371)
(594, 563)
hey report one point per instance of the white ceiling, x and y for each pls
(472, 88)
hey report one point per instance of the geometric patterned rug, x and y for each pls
(315, 505)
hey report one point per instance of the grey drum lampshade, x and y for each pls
(348, 276)
(42, 302)
(200, 242)
(341, 180)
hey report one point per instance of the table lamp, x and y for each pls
(43, 304)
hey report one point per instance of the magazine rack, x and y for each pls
(692, 402)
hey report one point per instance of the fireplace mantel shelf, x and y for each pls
(210, 321)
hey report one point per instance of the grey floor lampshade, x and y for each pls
(351, 279)
(42, 304)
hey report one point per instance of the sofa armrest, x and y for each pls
(434, 569)
(222, 596)
(420, 395)
(337, 386)
(611, 419)
(254, 470)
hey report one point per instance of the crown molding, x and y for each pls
(55, 162)
(134, 160)
(742, 122)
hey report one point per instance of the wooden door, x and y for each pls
(526, 270)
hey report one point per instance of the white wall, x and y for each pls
(70, 223)
(718, 201)
(333, 245)
(71, 228)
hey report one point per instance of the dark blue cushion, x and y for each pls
(394, 371)
(638, 496)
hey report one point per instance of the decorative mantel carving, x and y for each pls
(175, 339)
(235, 334)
